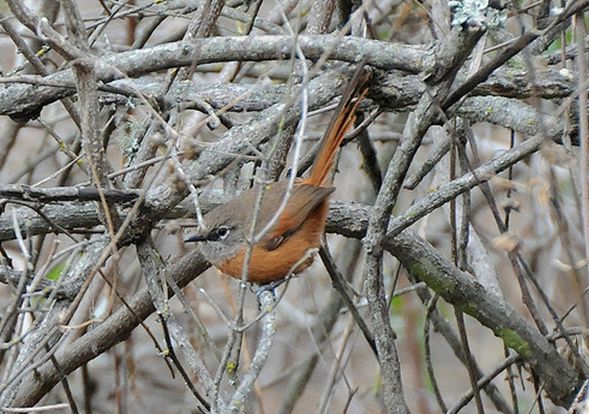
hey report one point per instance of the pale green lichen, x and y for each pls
(467, 307)
(438, 285)
(476, 13)
(514, 341)
(231, 367)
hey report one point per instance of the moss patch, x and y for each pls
(438, 285)
(514, 341)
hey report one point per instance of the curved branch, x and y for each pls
(14, 99)
(115, 329)
(351, 220)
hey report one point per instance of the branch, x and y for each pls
(115, 329)
(15, 99)
(442, 69)
(153, 271)
(393, 91)
(268, 327)
(462, 184)
(240, 140)
(520, 117)
(24, 192)
(350, 220)
(461, 290)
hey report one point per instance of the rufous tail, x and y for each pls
(339, 125)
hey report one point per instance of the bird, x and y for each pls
(284, 248)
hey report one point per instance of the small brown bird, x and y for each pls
(301, 223)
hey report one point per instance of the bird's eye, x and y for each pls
(222, 232)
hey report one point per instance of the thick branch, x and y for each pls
(24, 192)
(393, 91)
(14, 100)
(115, 329)
(348, 219)
(520, 117)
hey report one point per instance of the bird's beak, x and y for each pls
(196, 238)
